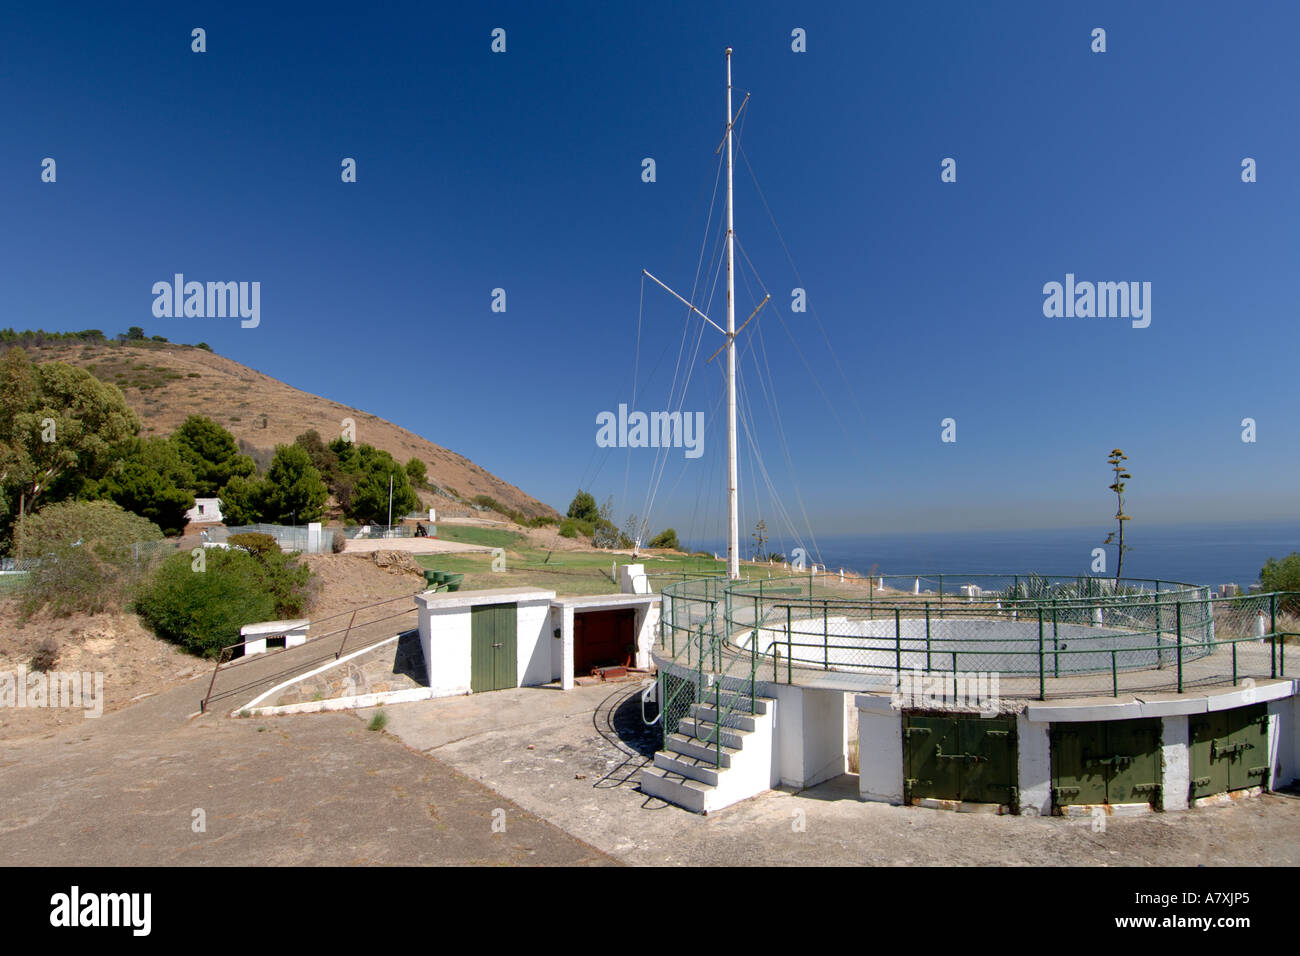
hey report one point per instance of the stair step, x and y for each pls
(692, 747)
(738, 702)
(675, 788)
(697, 768)
(736, 718)
(706, 730)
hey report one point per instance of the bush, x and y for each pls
(254, 543)
(46, 656)
(665, 539)
(568, 528)
(89, 559)
(202, 611)
(339, 541)
(1283, 575)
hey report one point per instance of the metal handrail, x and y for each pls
(224, 654)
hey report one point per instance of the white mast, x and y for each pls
(733, 517)
(733, 481)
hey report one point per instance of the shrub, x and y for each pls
(1283, 575)
(202, 611)
(254, 543)
(339, 541)
(46, 656)
(568, 528)
(665, 539)
(89, 559)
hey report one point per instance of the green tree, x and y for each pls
(293, 490)
(58, 426)
(213, 453)
(1116, 462)
(583, 507)
(241, 500)
(1283, 575)
(149, 478)
(665, 539)
(362, 490)
(322, 456)
(416, 471)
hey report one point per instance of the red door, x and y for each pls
(603, 639)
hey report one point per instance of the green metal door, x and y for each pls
(492, 647)
(928, 743)
(960, 758)
(989, 769)
(1229, 750)
(1109, 761)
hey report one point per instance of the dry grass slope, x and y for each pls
(167, 382)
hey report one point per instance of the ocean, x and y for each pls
(1205, 554)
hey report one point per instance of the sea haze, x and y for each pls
(1210, 554)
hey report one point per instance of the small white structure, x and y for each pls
(205, 511)
(258, 637)
(475, 641)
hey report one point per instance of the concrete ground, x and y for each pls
(573, 758)
(132, 787)
(411, 545)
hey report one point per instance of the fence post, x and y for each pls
(927, 637)
(826, 639)
(1042, 674)
(1178, 621)
(898, 643)
(1114, 675)
(339, 652)
(1056, 644)
(1272, 630)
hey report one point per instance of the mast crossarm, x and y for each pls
(733, 335)
(730, 125)
(685, 303)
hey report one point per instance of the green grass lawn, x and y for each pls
(565, 572)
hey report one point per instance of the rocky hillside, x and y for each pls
(165, 383)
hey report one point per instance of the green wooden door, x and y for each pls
(493, 645)
(1229, 750)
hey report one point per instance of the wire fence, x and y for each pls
(1042, 637)
(288, 537)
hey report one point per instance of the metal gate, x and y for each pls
(1229, 750)
(492, 647)
(960, 758)
(1106, 761)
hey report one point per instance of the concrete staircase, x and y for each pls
(688, 772)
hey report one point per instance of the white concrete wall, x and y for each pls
(880, 750)
(1175, 762)
(1282, 741)
(1034, 766)
(533, 642)
(445, 640)
(647, 619)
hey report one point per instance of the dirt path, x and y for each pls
(128, 790)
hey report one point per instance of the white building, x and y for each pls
(205, 511)
(476, 641)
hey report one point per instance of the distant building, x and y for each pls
(205, 511)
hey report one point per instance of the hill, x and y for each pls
(166, 382)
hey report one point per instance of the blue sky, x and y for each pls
(522, 171)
